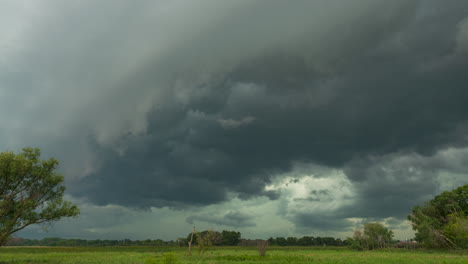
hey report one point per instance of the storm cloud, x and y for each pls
(155, 104)
(232, 219)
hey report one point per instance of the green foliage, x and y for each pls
(442, 222)
(456, 229)
(31, 192)
(305, 241)
(230, 238)
(378, 236)
(215, 238)
(262, 246)
(151, 261)
(375, 236)
(226, 255)
(206, 239)
(168, 258)
(62, 242)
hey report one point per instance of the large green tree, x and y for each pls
(375, 235)
(31, 192)
(230, 238)
(443, 221)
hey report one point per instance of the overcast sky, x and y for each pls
(273, 118)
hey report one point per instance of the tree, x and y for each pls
(456, 230)
(31, 192)
(190, 241)
(305, 241)
(442, 222)
(281, 241)
(262, 246)
(230, 238)
(206, 239)
(358, 240)
(272, 241)
(291, 241)
(375, 235)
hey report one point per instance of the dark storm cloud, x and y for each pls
(391, 185)
(397, 86)
(315, 196)
(157, 103)
(328, 222)
(388, 187)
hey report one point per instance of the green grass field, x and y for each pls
(287, 255)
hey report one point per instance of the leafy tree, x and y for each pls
(442, 222)
(272, 241)
(375, 235)
(31, 192)
(206, 239)
(456, 229)
(329, 241)
(230, 238)
(358, 240)
(281, 241)
(215, 237)
(305, 241)
(318, 241)
(262, 246)
(291, 241)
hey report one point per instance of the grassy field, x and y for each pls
(287, 255)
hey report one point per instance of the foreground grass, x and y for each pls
(227, 255)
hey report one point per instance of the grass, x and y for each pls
(224, 255)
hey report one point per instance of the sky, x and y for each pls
(269, 117)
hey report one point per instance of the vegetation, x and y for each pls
(262, 246)
(206, 239)
(443, 221)
(168, 258)
(181, 242)
(61, 242)
(31, 192)
(215, 238)
(230, 238)
(225, 255)
(375, 236)
(306, 241)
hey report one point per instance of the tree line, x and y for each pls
(62, 242)
(306, 241)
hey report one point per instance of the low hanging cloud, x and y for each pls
(231, 219)
(177, 104)
(231, 123)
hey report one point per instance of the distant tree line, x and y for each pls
(233, 238)
(306, 241)
(214, 238)
(62, 242)
(224, 238)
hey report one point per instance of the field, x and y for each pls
(245, 255)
